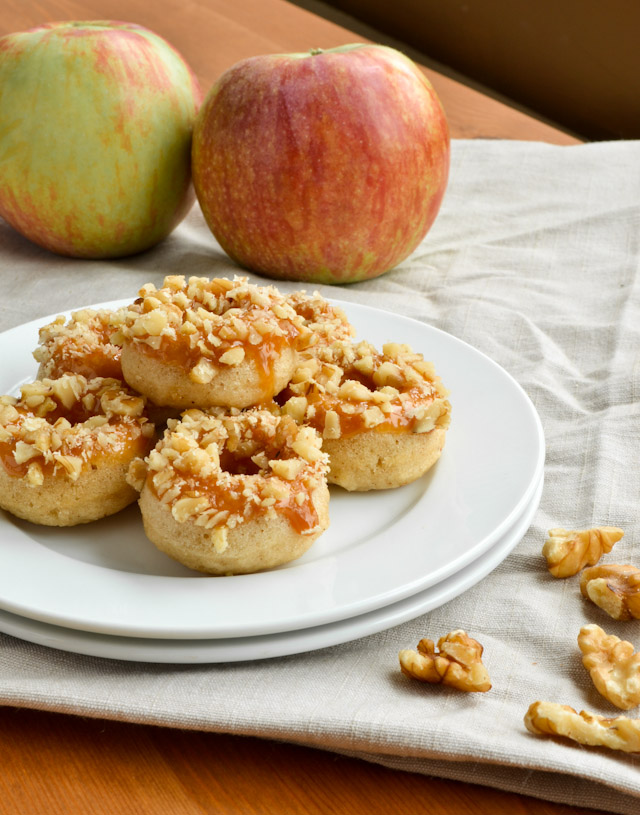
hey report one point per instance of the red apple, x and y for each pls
(328, 166)
(95, 137)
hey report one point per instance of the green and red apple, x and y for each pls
(328, 166)
(95, 137)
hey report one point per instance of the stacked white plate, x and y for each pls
(102, 589)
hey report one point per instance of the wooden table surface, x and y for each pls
(56, 763)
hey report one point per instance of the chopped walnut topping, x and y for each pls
(233, 356)
(80, 345)
(365, 390)
(72, 464)
(137, 474)
(326, 323)
(220, 538)
(277, 490)
(24, 452)
(67, 390)
(287, 468)
(352, 389)
(152, 323)
(204, 469)
(188, 507)
(35, 476)
(204, 324)
(331, 425)
(457, 663)
(8, 412)
(612, 664)
(615, 588)
(306, 370)
(204, 372)
(41, 440)
(372, 417)
(396, 350)
(117, 402)
(549, 718)
(296, 407)
(567, 552)
(388, 373)
(96, 421)
(429, 417)
(364, 364)
(307, 445)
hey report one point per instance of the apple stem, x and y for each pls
(315, 51)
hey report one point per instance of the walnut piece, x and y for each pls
(612, 664)
(458, 663)
(615, 588)
(552, 719)
(567, 552)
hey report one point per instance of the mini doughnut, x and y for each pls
(327, 322)
(80, 345)
(232, 494)
(66, 446)
(383, 416)
(204, 343)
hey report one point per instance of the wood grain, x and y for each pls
(51, 763)
(62, 765)
(214, 34)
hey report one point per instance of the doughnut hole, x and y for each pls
(235, 494)
(80, 345)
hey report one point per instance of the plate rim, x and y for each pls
(286, 643)
(328, 615)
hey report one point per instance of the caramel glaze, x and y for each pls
(302, 517)
(400, 419)
(396, 421)
(102, 361)
(130, 442)
(178, 352)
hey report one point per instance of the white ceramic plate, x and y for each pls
(381, 547)
(272, 645)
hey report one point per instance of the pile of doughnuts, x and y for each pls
(224, 408)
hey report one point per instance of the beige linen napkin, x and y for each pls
(534, 260)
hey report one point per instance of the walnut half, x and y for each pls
(458, 663)
(567, 552)
(612, 665)
(615, 588)
(551, 719)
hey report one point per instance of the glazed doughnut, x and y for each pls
(383, 416)
(80, 345)
(203, 343)
(232, 494)
(326, 321)
(66, 446)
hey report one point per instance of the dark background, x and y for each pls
(575, 63)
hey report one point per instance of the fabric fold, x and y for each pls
(534, 260)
